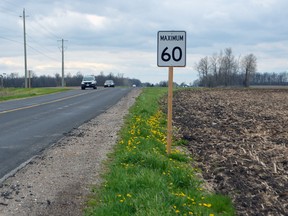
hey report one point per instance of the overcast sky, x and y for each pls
(120, 37)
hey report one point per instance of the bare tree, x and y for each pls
(203, 69)
(215, 68)
(249, 67)
(224, 69)
(271, 78)
(229, 66)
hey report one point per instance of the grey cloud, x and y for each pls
(132, 26)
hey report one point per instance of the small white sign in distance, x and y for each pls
(171, 49)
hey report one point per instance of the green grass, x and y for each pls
(17, 93)
(141, 179)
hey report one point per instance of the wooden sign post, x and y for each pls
(169, 120)
(171, 52)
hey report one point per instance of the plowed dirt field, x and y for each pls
(239, 139)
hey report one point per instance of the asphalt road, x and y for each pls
(28, 126)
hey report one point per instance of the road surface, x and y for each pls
(28, 126)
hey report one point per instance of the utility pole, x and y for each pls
(25, 52)
(29, 78)
(1, 77)
(62, 50)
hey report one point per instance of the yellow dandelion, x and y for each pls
(207, 205)
(182, 194)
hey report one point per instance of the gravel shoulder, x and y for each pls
(58, 181)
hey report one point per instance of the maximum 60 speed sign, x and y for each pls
(171, 49)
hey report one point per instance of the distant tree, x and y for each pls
(224, 69)
(215, 62)
(249, 67)
(13, 80)
(183, 84)
(163, 84)
(219, 69)
(147, 84)
(58, 79)
(202, 67)
(120, 75)
(196, 83)
(111, 75)
(269, 78)
(135, 82)
(228, 66)
(14, 75)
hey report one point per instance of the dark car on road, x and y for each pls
(89, 82)
(109, 83)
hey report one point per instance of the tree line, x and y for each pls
(224, 69)
(13, 80)
(270, 78)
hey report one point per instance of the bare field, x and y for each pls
(239, 139)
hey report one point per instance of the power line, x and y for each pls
(36, 50)
(8, 11)
(42, 53)
(36, 42)
(5, 9)
(49, 34)
(47, 30)
(42, 47)
(12, 4)
(11, 40)
(33, 29)
(7, 29)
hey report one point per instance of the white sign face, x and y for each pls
(171, 49)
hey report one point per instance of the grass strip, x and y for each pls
(17, 93)
(142, 179)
